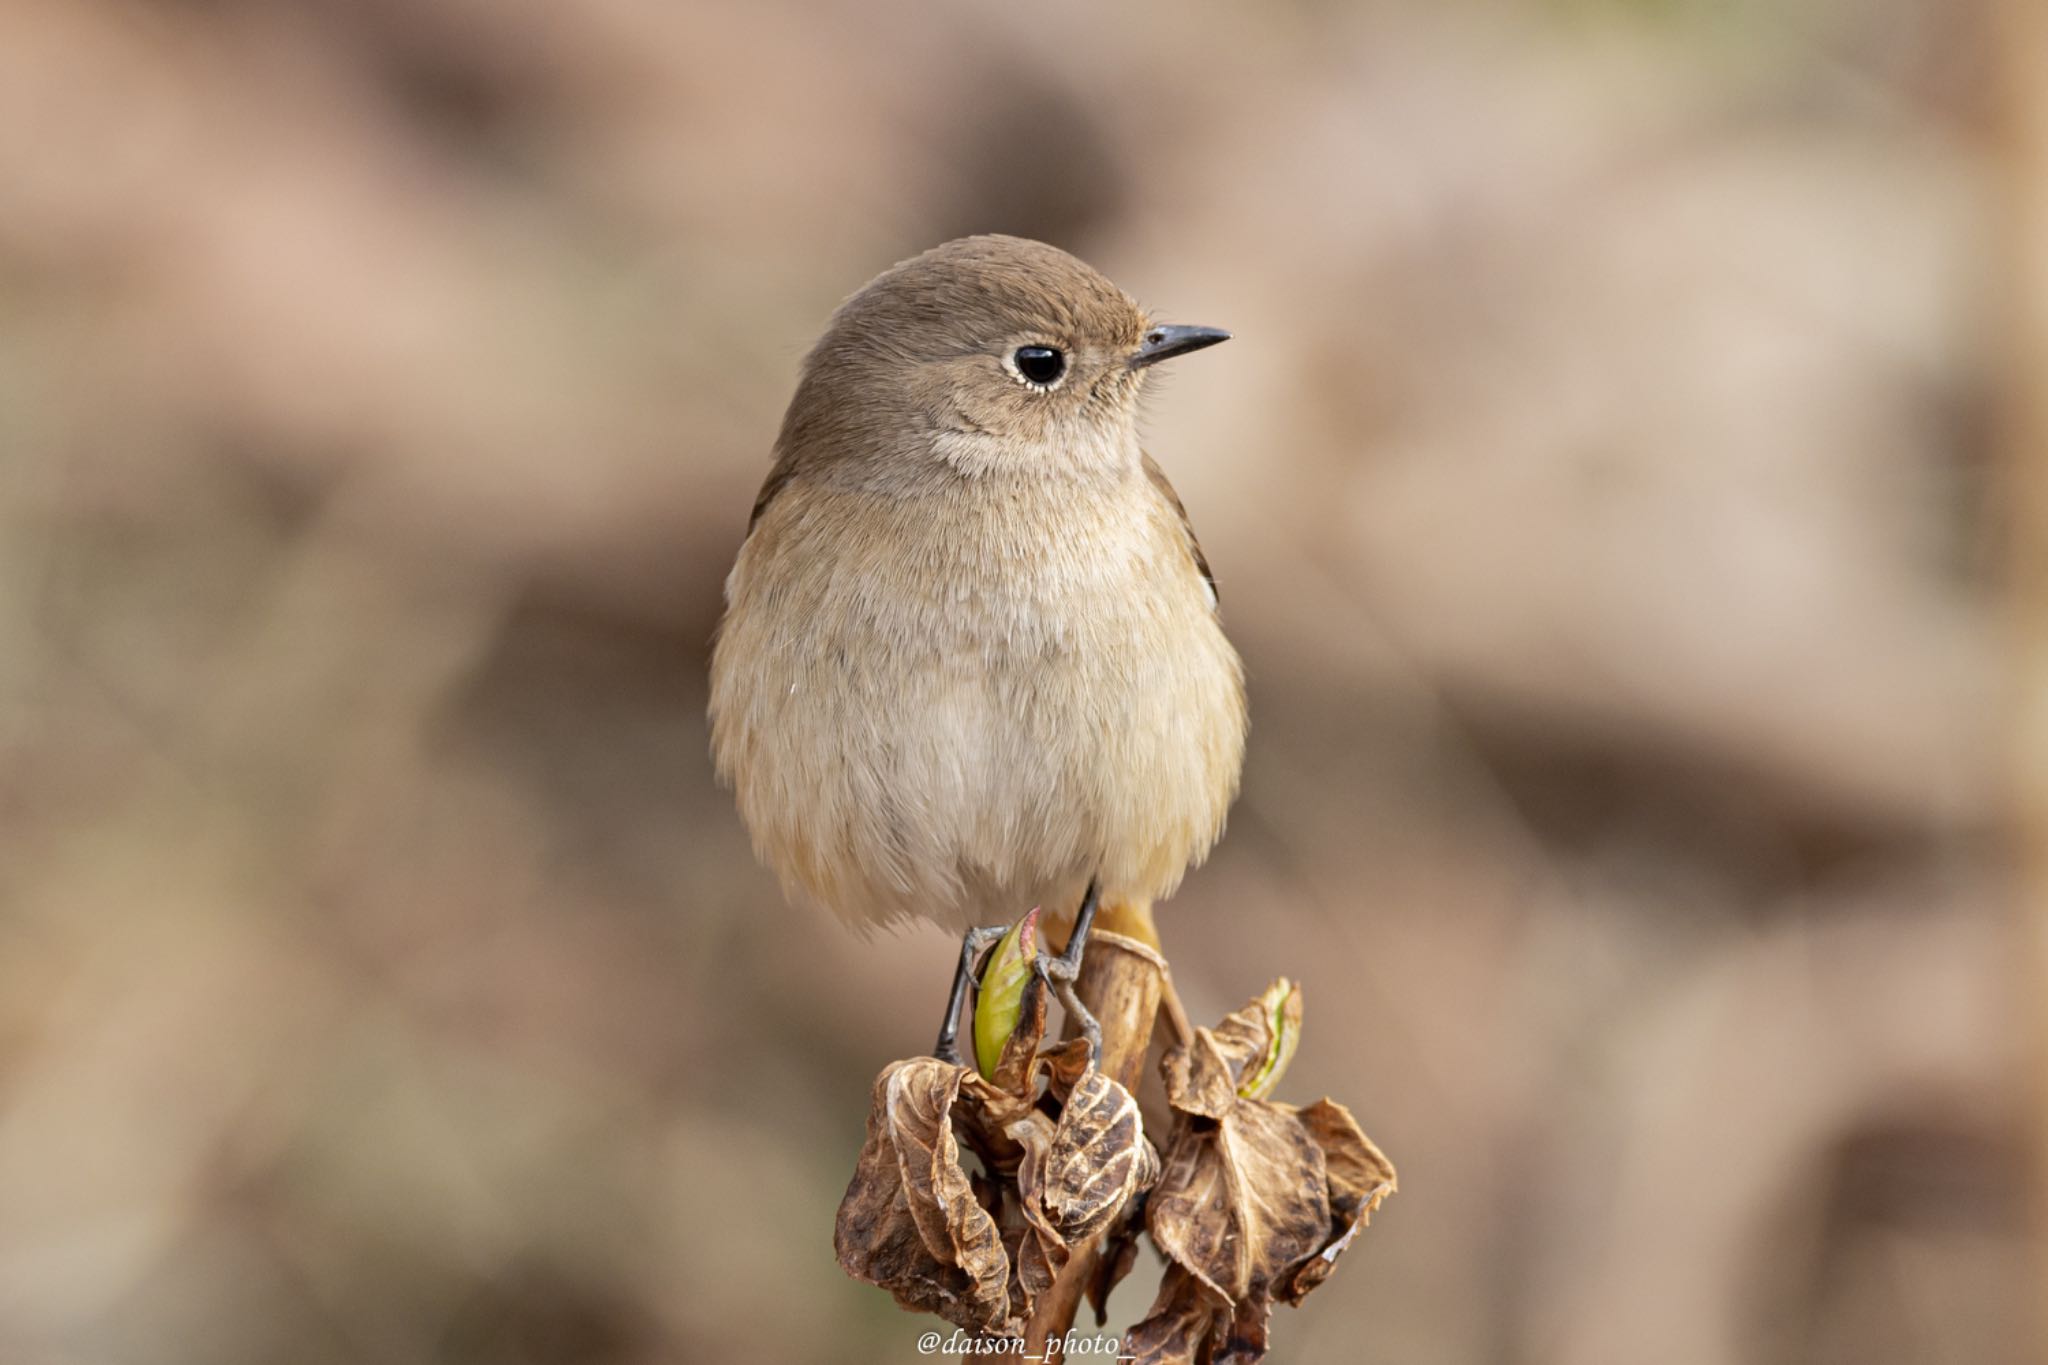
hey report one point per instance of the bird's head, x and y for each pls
(985, 353)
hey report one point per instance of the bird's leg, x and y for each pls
(1067, 966)
(1061, 972)
(1076, 1011)
(947, 1049)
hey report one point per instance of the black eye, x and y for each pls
(1040, 364)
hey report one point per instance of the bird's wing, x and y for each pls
(1159, 481)
(778, 478)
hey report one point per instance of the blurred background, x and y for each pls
(1605, 489)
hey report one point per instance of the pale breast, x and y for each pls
(958, 707)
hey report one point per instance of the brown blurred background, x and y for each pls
(1605, 493)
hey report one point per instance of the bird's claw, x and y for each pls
(947, 1049)
(1059, 975)
(1057, 971)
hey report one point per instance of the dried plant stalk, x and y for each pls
(1250, 1200)
(1121, 983)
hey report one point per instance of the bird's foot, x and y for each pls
(1060, 973)
(972, 944)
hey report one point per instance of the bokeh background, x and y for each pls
(1606, 490)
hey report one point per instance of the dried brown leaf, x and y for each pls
(1359, 1171)
(1256, 1199)
(1042, 1251)
(1064, 1064)
(1097, 1159)
(1241, 1199)
(1077, 1175)
(1207, 1075)
(1201, 1078)
(1360, 1178)
(910, 1221)
(915, 1223)
(1119, 1255)
(1186, 1320)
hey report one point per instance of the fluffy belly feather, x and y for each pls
(1034, 716)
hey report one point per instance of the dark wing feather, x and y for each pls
(1158, 477)
(778, 478)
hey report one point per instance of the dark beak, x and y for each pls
(1164, 343)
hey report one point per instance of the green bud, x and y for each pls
(999, 1002)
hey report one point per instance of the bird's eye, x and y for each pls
(1040, 365)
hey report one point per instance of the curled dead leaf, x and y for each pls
(1078, 1174)
(1119, 1255)
(1280, 1007)
(1241, 1202)
(1256, 1199)
(1058, 1168)
(1186, 1319)
(910, 1221)
(1361, 1178)
(1097, 1159)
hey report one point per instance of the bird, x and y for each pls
(972, 659)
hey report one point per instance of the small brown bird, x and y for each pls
(971, 660)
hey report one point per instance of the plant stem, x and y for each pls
(1121, 981)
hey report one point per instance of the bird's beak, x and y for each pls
(1163, 343)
